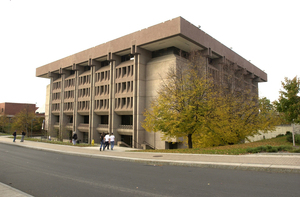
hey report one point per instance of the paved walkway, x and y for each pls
(259, 162)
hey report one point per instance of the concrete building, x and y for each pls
(107, 88)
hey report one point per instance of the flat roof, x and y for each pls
(177, 32)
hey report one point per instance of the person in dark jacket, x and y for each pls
(23, 135)
(74, 138)
(15, 136)
(102, 141)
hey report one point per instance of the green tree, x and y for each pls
(23, 121)
(289, 100)
(4, 123)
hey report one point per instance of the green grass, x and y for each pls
(238, 149)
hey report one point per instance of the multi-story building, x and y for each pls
(108, 87)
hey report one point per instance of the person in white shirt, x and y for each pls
(106, 142)
(112, 141)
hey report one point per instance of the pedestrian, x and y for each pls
(49, 138)
(112, 141)
(106, 142)
(23, 135)
(15, 136)
(102, 141)
(74, 138)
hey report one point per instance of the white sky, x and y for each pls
(37, 32)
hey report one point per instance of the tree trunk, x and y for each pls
(190, 141)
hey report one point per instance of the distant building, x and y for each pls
(11, 109)
(108, 87)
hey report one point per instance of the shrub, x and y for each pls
(289, 138)
(297, 138)
(280, 135)
(284, 148)
(268, 148)
(288, 133)
(263, 148)
(253, 150)
(273, 150)
(296, 150)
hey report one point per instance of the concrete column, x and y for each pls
(114, 119)
(94, 135)
(51, 119)
(141, 58)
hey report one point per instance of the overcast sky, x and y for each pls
(37, 32)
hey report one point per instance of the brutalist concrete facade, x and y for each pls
(107, 88)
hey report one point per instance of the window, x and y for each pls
(104, 119)
(127, 120)
(86, 119)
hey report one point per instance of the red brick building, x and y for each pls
(11, 109)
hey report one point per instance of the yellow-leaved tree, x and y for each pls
(207, 109)
(183, 102)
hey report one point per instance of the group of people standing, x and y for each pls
(105, 140)
(15, 136)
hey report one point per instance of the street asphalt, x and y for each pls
(276, 162)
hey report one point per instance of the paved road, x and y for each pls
(43, 173)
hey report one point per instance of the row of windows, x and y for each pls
(56, 85)
(69, 83)
(124, 103)
(102, 90)
(69, 94)
(68, 106)
(124, 87)
(102, 104)
(83, 105)
(84, 80)
(56, 96)
(125, 71)
(84, 92)
(214, 73)
(103, 76)
(56, 107)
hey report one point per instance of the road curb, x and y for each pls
(219, 165)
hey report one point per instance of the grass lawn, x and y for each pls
(237, 149)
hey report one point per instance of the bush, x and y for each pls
(297, 138)
(280, 135)
(268, 148)
(284, 148)
(288, 133)
(296, 150)
(289, 138)
(252, 150)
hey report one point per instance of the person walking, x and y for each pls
(106, 142)
(23, 135)
(15, 136)
(74, 138)
(102, 141)
(112, 141)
